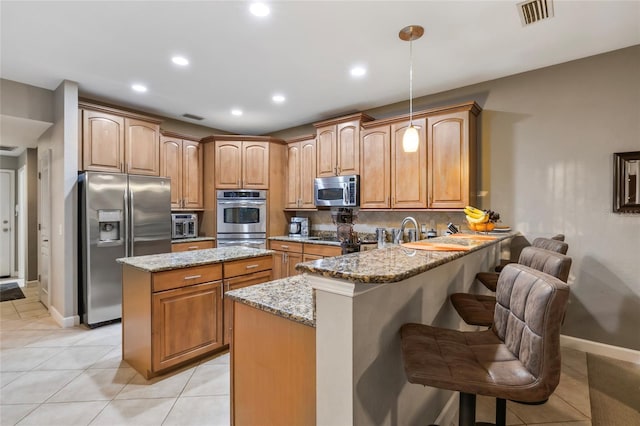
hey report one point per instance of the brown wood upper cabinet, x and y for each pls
(440, 175)
(301, 171)
(390, 177)
(182, 161)
(452, 157)
(338, 145)
(114, 141)
(241, 164)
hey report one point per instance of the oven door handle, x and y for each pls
(241, 203)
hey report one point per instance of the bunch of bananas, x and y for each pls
(475, 215)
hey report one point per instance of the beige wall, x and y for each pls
(547, 139)
(62, 139)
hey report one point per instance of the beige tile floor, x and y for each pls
(53, 376)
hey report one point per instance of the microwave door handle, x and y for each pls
(345, 193)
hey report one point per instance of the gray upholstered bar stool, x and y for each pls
(505, 262)
(477, 309)
(490, 279)
(518, 358)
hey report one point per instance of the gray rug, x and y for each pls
(614, 390)
(10, 291)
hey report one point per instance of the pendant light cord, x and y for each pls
(411, 83)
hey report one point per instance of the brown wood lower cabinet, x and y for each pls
(234, 284)
(187, 323)
(273, 369)
(172, 317)
(288, 254)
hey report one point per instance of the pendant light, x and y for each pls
(411, 138)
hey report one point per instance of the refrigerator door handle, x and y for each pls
(131, 224)
(125, 200)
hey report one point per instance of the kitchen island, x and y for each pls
(360, 301)
(172, 303)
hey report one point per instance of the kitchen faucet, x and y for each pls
(401, 233)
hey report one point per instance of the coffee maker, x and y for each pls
(299, 227)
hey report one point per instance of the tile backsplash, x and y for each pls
(367, 221)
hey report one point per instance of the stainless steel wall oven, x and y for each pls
(241, 218)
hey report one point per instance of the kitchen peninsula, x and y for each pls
(172, 303)
(346, 314)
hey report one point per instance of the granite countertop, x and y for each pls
(392, 263)
(291, 298)
(192, 240)
(185, 259)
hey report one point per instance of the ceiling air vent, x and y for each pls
(7, 148)
(535, 10)
(193, 117)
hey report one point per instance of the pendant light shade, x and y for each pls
(411, 138)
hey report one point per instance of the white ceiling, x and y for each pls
(303, 50)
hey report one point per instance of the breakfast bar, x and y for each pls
(360, 301)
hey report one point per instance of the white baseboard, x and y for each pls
(449, 414)
(64, 322)
(617, 352)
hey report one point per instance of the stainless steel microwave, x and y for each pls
(337, 191)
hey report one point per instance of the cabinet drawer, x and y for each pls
(247, 266)
(286, 246)
(322, 250)
(198, 245)
(187, 276)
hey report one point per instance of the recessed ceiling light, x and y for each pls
(139, 88)
(259, 9)
(358, 71)
(278, 99)
(237, 112)
(180, 60)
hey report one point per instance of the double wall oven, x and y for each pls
(242, 218)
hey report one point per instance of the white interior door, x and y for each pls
(22, 221)
(44, 224)
(7, 245)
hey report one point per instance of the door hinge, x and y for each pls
(39, 277)
(39, 227)
(39, 175)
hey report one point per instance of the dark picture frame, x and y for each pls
(626, 182)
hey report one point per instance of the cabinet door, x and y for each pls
(292, 260)
(375, 169)
(234, 284)
(279, 267)
(192, 179)
(348, 148)
(292, 200)
(171, 167)
(307, 173)
(326, 151)
(255, 165)
(186, 323)
(142, 153)
(102, 142)
(408, 169)
(448, 147)
(228, 173)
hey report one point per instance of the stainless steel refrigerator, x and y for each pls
(119, 215)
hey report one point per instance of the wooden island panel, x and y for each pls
(273, 369)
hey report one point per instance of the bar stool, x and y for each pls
(477, 309)
(490, 279)
(505, 262)
(518, 358)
